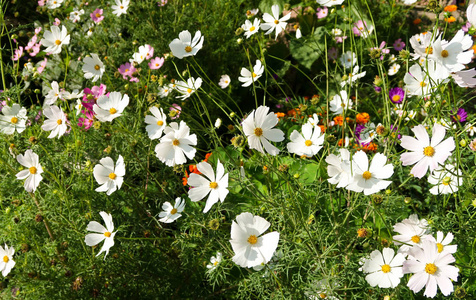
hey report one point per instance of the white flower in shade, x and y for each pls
(176, 144)
(216, 187)
(339, 169)
(348, 59)
(33, 171)
(7, 263)
(307, 143)
(73, 95)
(250, 248)
(157, 123)
(455, 54)
(107, 175)
(411, 232)
(188, 88)
(446, 180)
(52, 4)
(251, 28)
(56, 122)
(53, 94)
(120, 7)
(185, 46)
(426, 153)
(218, 123)
(370, 179)
(164, 91)
(314, 120)
(273, 22)
(105, 234)
(470, 129)
(431, 270)
(53, 40)
(329, 3)
(224, 81)
(352, 77)
(214, 261)
(75, 15)
(14, 118)
(247, 77)
(258, 127)
(465, 78)
(393, 69)
(172, 212)
(107, 108)
(93, 67)
(384, 268)
(340, 102)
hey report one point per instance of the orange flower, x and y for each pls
(280, 115)
(184, 179)
(474, 48)
(323, 128)
(339, 120)
(362, 118)
(370, 147)
(451, 8)
(416, 21)
(207, 156)
(450, 19)
(341, 143)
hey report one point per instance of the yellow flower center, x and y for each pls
(98, 15)
(215, 263)
(14, 120)
(367, 175)
(213, 185)
(253, 74)
(126, 70)
(440, 247)
(276, 22)
(386, 268)
(422, 84)
(112, 176)
(32, 170)
(189, 91)
(446, 180)
(252, 28)
(5, 259)
(323, 295)
(429, 50)
(188, 49)
(416, 239)
(173, 211)
(308, 143)
(396, 98)
(59, 122)
(58, 42)
(121, 7)
(444, 53)
(258, 131)
(431, 269)
(429, 151)
(160, 123)
(97, 67)
(112, 111)
(252, 239)
(107, 234)
(175, 142)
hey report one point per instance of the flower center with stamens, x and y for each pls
(98, 15)
(121, 7)
(446, 180)
(386, 268)
(258, 131)
(396, 98)
(59, 122)
(5, 259)
(112, 176)
(253, 75)
(173, 211)
(32, 170)
(97, 67)
(252, 239)
(416, 239)
(252, 28)
(431, 269)
(126, 70)
(308, 143)
(175, 142)
(444, 53)
(112, 111)
(160, 123)
(213, 185)
(215, 263)
(276, 22)
(58, 42)
(323, 295)
(367, 175)
(440, 247)
(188, 49)
(429, 50)
(422, 84)
(107, 234)
(189, 91)
(14, 120)
(429, 151)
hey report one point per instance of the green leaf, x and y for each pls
(308, 49)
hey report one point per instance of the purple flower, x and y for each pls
(333, 53)
(460, 117)
(396, 95)
(398, 45)
(377, 89)
(466, 27)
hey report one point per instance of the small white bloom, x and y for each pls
(102, 233)
(157, 123)
(172, 212)
(273, 22)
(188, 88)
(54, 39)
(384, 268)
(93, 67)
(214, 261)
(7, 263)
(339, 169)
(33, 171)
(176, 144)
(348, 59)
(443, 243)
(218, 123)
(164, 91)
(75, 15)
(52, 4)
(446, 179)
(14, 118)
(120, 7)
(53, 94)
(185, 46)
(329, 3)
(352, 77)
(56, 122)
(314, 120)
(140, 56)
(251, 28)
(470, 129)
(110, 177)
(308, 143)
(247, 77)
(411, 232)
(340, 102)
(224, 81)
(107, 108)
(393, 69)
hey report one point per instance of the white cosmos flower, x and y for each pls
(107, 175)
(53, 94)
(164, 91)
(251, 28)
(33, 171)
(426, 154)
(56, 122)
(308, 143)
(340, 102)
(421, 81)
(455, 54)
(384, 268)
(329, 3)
(172, 212)
(339, 169)
(14, 118)
(412, 231)
(471, 13)
(348, 59)
(157, 123)
(370, 179)
(273, 22)
(102, 233)
(6, 262)
(394, 68)
(93, 67)
(140, 56)
(120, 7)
(443, 243)
(431, 269)
(52, 4)
(352, 77)
(185, 46)
(465, 78)
(75, 15)
(214, 261)
(314, 120)
(247, 77)
(107, 108)
(258, 127)
(446, 179)
(251, 249)
(54, 39)
(216, 187)
(188, 88)
(224, 81)
(176, 144)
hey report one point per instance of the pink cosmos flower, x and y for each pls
(57, 22)
(35, 50)
(156, 63)
(41, 2)
(18, 53)
(398, 45)
(88, 119)
(150, 51)
(175, 111)
(97, 15)
(42, 66)
(162, 2)
(126, 70)
(37, 30)
(322, 12)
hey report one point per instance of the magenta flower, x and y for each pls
(97, 15)
(460, 117)
(322, 12)
(88, 120)
(396, 95)
(398, 45)
(156, 63)
(91, 96)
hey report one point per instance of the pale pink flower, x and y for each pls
(156, 63)
(97, 16)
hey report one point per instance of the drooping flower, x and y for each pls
(446, 179)
(329, 3)
(171, 212)
(214, 261)
(33, 170)
(102, 233)
(258, 127)
(396, 95)
(110, 177)
(384, 268)
(273, 22)
(54, 39)
(93, 67)
(186, 89)
(307, 143)
(14, 118)
(247, 77)
(250, 28)
(176, 144)
(56, 122)
(7, 263)
(250, 248)
(216, 187)
(110, 107)
(157, 123)
(224, 81)
(339, 168)
(184, 46)
(120, 7)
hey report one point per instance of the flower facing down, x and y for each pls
(258, 127)
(216, 187)
(247, 77)
(7, 263)
(54, 39)
(250, 248)
(110, 107)
(33, 172)
(384, 268)
(102, 233)
(172, 212)
(93, 67)
(176, 144)
(189, 87)
(185, 46)
(214, 261)
(110, 177)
